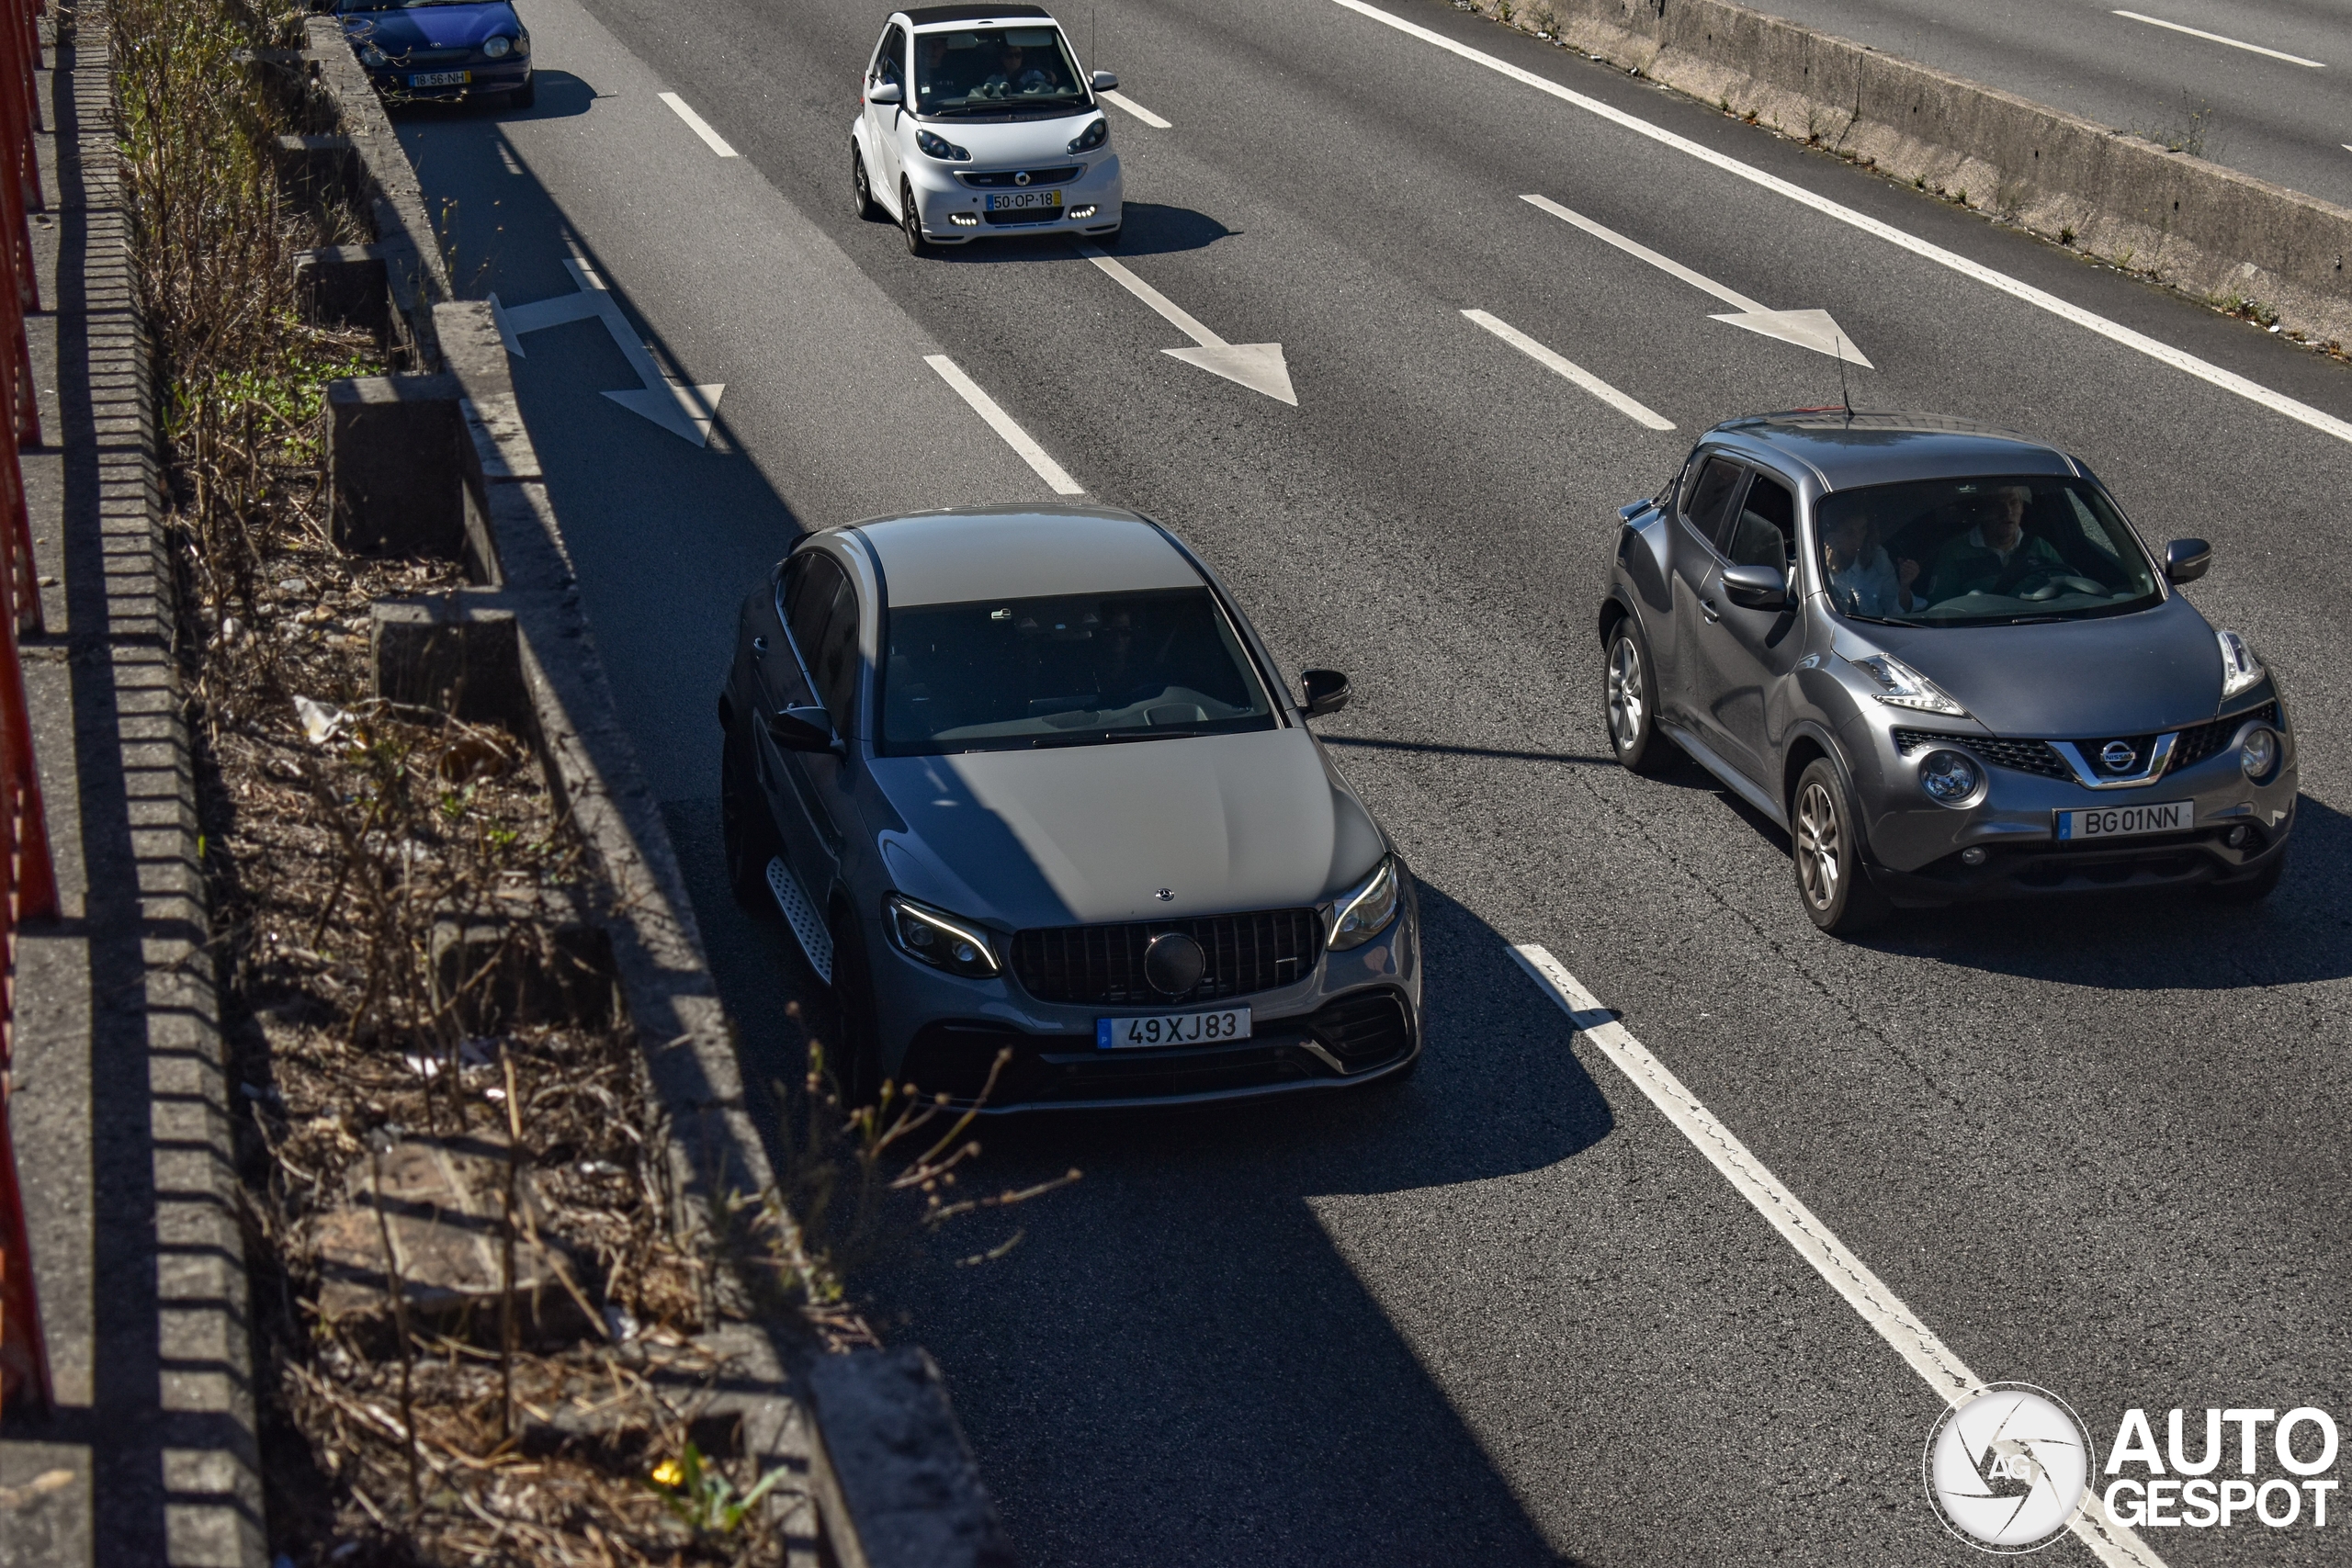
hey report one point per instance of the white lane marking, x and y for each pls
(2216, 38)
(2164, 353)
(1001, 423)
(1639, 412)
(1136, 110)
(1257, 366)
(699, 125)
(686, 411)
(1731, 297)
(1926, 1354)
(1174, 313)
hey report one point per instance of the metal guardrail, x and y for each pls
(27, 880)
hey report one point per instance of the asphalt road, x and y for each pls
(1507, 1313)
(2284, 121)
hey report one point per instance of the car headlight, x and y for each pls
(1093, 136)
(2258, 755)
(1363, 911)
(941, 940)
(498, 48)
(370, 55)
(1903, 687)
(939, 147)
(1951, 778)
(2240, 667)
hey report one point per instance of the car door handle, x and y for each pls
(1707, 608)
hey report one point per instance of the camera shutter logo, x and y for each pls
(2006, 1470)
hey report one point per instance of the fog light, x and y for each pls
(2238, 836)
(1972, 857)
(964, 220)
(1951, 778)
(1082, 212)
(2258, 753)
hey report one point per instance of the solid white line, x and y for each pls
(1001, 423)
(2228, 380)
(1639, 412)
(2216, 38)
(1635, 248)
(1926, 1354)
(1174, 313)
(700, 126)
(1136, 110)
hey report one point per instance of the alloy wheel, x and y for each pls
(1820, 847)
(1625, 714)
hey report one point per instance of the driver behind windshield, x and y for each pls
(1996, 556)
(1016, 76)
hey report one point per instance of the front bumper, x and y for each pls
(485, 80)
(942, 197)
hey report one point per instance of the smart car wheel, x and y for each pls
(1630, 699)
(750, 839)
(867, 207)
(911, 221)
(1827, 852)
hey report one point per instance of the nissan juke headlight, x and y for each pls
(1364, 910)
(939, 147)
(941, 940)
(2240, 669)
(1901, 686)
(1093, 136)
(498, 48)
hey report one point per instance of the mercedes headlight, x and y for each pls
(1903, 687)
(941, 940)
(1093, 136)
(498, 48)
(939, 147)
(1951, 778)
(370, 55)
(1364, 910)
(2240, 667)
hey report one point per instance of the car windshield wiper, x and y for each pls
(1100, 736)
(2038, 620)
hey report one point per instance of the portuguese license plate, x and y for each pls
(441, 79)
(1172, 1029)
(1023, 200)
(2127, 821)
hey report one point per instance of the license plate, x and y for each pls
(2127, 821)
(441, 79)
(1020, 200)
(1171, 1029)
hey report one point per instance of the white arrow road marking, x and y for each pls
(1807, 329)
(1926, 1354)
(1135, 109)
(1257, 366)
(1639, 412)
(1002, 424)
(684, 412)
(2040, 299)
(699, 125)
(2216, 38)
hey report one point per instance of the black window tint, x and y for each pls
(809, 583)
(1765, 532)
(1704, 503)
(887, 67)
(834, 665)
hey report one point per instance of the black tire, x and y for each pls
(2254, 888)
(747, 831)
(867, 207)
(1826, 845)
(857, 1061)
(1629, 699)
(911, 222)
(527, 94)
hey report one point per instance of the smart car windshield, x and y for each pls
(1987, 551)
(978, 71)
(1001, 673)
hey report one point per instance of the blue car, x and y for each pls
(441, 51)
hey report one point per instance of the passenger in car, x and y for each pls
(1860, 579)
(1996, 556)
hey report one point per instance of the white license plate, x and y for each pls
(1019, 200)
(2127, 821)
(1172, 1029)
(441, 79)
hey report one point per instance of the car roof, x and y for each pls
(934, 15)
(966, 553)
(1845, 451)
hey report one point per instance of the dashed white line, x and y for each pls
(1731, 297)
(698, 124)
(1135, 109)
(2115, 331)
(1640, 413)
(2217, 38)
(1926, 1354)
(1002, 424)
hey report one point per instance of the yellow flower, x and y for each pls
(668, 1473)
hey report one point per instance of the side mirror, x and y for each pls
(1756, 587)
(2186, 560)
(1324, 691)
(885, 93)
(1104, 81)
(804, 730)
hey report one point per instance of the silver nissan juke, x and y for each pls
(1025, 779)
(1939, 656)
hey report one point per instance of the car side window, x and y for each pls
(833, 663)
(810, 581)
(1703, 503)
(886, 59)
(1764, 532)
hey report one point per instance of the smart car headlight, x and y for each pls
(1364, 910)
(1903, 687)
(939, 147)
(1093, 136)
(1951, 778)
(2240, 667)
(941, 940)
(498, 48)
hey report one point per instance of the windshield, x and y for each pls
(992, 70)
(1981, 552)
(1000, 673)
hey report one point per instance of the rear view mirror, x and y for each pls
(803, 729)
(1104, 81)
(1756, 587)
(2186, 560)
(1324, 692)
(884, 93)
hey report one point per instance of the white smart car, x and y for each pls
(977, 120)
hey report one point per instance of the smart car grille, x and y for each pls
(2025, 756)
(1005, 179)
(1104, 963)
(2195, 745)
(1028, 215)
